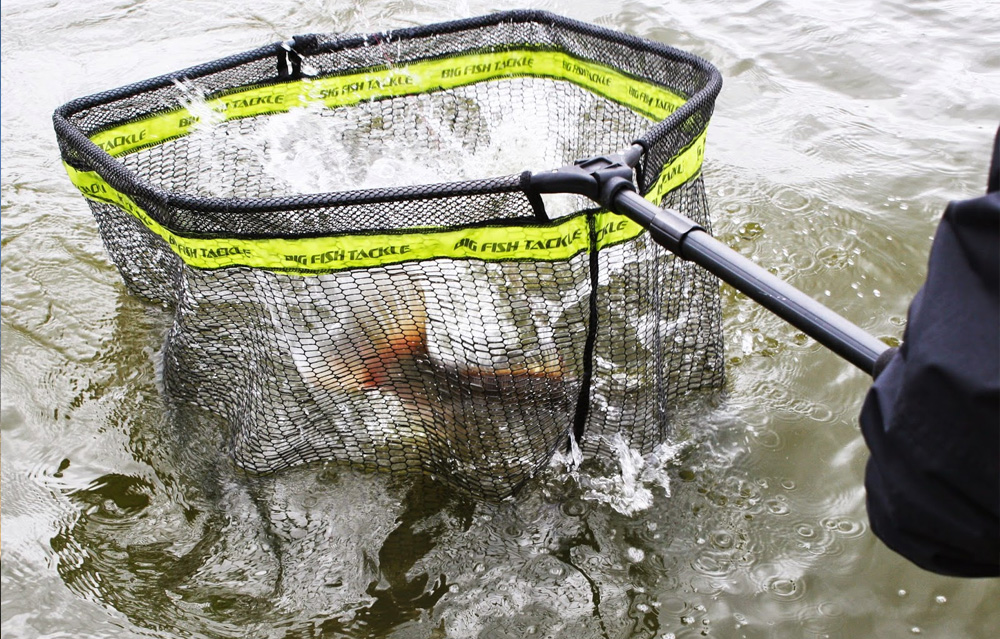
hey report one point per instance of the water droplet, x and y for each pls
(901, 593)
(915, 630)
(635, 555)
(941, 599)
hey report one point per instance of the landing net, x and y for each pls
(350, 280)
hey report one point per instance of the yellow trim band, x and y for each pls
(682, 168)
(653, 101)
(560, 240)
(557, 241)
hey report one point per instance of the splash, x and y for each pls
(314, 149)
(570, 459)
(630, 488)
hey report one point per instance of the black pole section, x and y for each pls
(691, 242)
(608, 180)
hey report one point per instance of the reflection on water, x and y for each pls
(324, 549)
(840, 133)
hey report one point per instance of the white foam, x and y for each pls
(314, 149)
(630, 489)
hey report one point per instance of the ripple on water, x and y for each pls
(777, 505)
(798, 262)
(789, 199)
(810, 539)
(844, 527)
(134, 548)
(575, 507)
(821, 618)
(768, 438)
(785, 588)
(714, 564)
(722, 539)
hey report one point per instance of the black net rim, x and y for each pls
(125, 181)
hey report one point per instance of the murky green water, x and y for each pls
(842, 130)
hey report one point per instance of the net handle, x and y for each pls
(608, 180)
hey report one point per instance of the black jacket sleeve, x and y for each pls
(932, 417)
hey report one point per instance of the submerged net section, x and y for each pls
(351, 280)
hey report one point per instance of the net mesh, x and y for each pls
(351, 281)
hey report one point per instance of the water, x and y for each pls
(842, 130)
(351, 158)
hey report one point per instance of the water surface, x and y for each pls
(842, 130)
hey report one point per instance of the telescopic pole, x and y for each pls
(784, 300)
(608, 180)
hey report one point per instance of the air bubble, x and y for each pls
(722, 539)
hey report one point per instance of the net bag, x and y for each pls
(350, 280)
